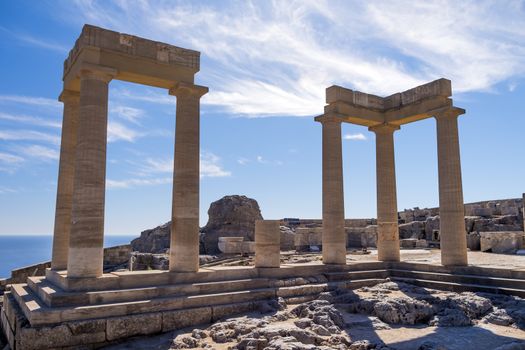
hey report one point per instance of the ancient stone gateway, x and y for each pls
(98, 57)
(383, 116)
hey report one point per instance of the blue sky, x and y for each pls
(267, 65)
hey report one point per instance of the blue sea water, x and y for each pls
(23, 250)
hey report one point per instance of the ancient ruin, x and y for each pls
(75, 304)
(383, 116)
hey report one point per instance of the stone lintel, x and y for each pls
(441, 87)
(137, 60)
(130, 45)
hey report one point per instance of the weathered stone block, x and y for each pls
(128, 326)
(336, 93)
(505, 242)
(474, 241)
(60, 336)
(172, 320)
(7, 330)
(230, 245)
(220, 311)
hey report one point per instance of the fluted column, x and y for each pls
(86, 250)
(333, 238)
(184, 244)
(453, 238)
(66, 172)
(388, 232)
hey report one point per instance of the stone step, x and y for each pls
(512, 283)
(460, 287)
(38, 313)
(52, 295)
(356, 275)
(139, 279)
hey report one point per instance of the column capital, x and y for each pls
(329, 118)
(449, 112)
(69, 95)
(182, 88)
(384, 128)
(96, 72)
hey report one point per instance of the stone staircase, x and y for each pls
(167, 301)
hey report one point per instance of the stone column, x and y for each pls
(333, 237)
(86, 251)
(453, 239)
(184, 244)
(523, 210)
(66, 172)
(387, 221)
(267, 243)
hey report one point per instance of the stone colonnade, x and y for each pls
(79, 219)
(452, 224)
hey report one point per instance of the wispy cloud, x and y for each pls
(37, 41)
(30, 100)
(243, 161)
(130, 114)
(355, 137)
(4, 190)
(40, 152)
(120, 132)
(9, 163)
(25, 119)
(10, 158)
(28, 135)
(210, 166)
(276, 58)
(136, 182)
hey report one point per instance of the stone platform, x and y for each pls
(57, 312)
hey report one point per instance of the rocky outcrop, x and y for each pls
(230, 216)
(155, 241)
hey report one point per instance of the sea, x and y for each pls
(23, 250)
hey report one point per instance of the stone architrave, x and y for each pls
(184, 247)
(387, 221)
(334, 236)
(267, 243)
(86, 251)
(66, 172)
(453, 239)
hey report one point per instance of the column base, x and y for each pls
(334, 254)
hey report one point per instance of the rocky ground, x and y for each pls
(386, 316)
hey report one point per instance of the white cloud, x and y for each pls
(28, 135)
(129, 183)
(10, 158)
(120, 132)
(261, 160)
(36, 121)
(4, 190)
(276, 58)
(37, 42)
(243, 161)
(210, 166)
(40, 152)
(30, 100)
(358, 137)
(9, 163)
(130, 114)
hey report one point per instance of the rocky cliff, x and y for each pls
(232, 216)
